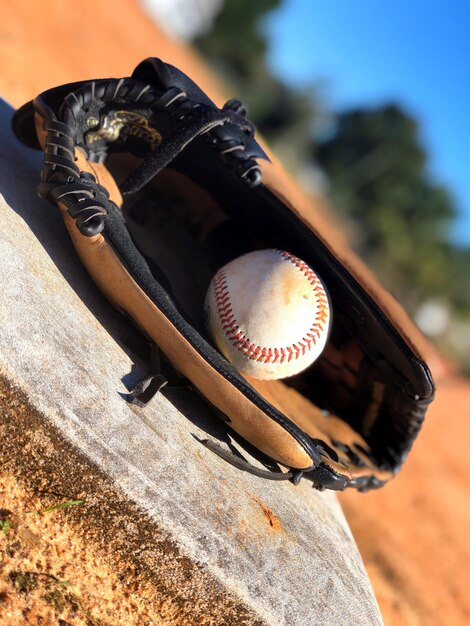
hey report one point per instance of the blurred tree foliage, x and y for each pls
(378, 175)
(237, 47)
(399, 217)
(236, 39)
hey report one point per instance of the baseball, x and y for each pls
(268, 314)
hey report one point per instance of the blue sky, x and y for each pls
(415, 52)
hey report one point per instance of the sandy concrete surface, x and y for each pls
(75, 550)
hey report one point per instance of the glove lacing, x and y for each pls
(85, 199)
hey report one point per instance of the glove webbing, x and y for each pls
(194, 120)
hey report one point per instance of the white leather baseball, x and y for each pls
(268, 314)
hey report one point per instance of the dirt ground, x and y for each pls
(49, 43)
(48, 574)
(412, 534)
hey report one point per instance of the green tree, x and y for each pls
(377, 170)
(237, 47)
(236, 40)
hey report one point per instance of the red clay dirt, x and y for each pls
(44, 44)
(413, 533)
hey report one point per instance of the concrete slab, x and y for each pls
(253, 551)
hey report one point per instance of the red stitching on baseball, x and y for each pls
(271, 355)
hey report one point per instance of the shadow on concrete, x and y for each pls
(19, 178)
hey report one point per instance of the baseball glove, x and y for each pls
(158, 188)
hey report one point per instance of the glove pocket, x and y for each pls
(247, 413)
(272, 416)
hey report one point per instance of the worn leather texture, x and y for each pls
(126, 157)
